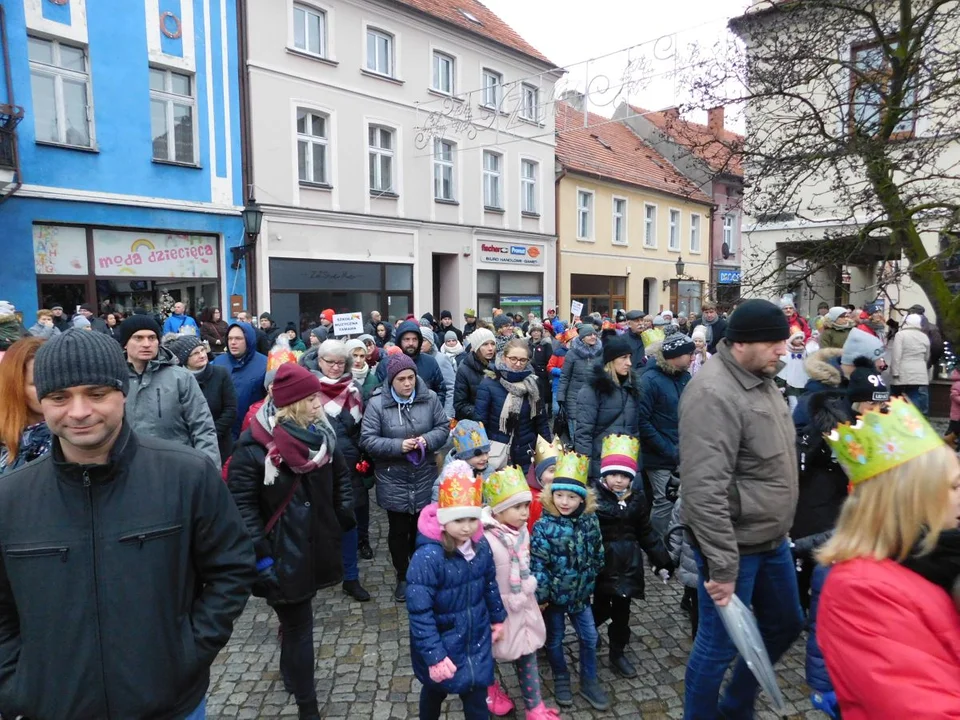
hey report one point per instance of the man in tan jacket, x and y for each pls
(738, 474)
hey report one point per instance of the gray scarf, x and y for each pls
(708, 324)
(517, 383)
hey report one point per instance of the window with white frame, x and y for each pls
(530, 102)
(492, 88)
(443, 73)
(443, 188)
(312, 146)
(728, 235)
(694, 232)
(674, 230)
(172, 111)
(650, 226)
(60, 81)
(528, 186)
(619, 221)
(379, 52)
(381, 142)
(310, 30)
(584, 215)
(492, 179)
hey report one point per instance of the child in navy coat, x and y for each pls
(453, 600)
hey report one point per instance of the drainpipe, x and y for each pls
(246, 149)
(16, 114)
(556, 226)
(711, 282)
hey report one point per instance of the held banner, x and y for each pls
(348, 324)
(576, 308)
(140, 254)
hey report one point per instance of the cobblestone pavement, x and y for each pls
(363, 659)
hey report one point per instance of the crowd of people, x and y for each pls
(155, 471)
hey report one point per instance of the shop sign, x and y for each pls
(348, 324)
(59, 250)
(154, 254)
(511, 254)
(728, 277)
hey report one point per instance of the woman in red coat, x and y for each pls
(887, 625)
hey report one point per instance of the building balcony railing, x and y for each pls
(10, 117)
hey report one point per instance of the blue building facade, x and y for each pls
(129, 155)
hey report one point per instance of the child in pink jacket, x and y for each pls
(953, 431)
(508, 497)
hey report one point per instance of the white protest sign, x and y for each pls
(348, 324)
(576, 308)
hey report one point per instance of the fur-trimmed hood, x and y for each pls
(546, 499)
(601, 382)
(824, 366)
(655, 352)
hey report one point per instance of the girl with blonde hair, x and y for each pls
(887, 625)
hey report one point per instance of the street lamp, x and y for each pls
(680, 267)
(252, 217)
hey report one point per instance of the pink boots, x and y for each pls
(498, 702)
(542, 712)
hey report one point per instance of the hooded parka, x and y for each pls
(246, 372)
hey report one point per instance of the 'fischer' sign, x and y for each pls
(511, 254)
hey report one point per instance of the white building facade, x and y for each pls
(403, 158)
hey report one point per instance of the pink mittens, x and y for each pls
(443, 670)
(496, 631)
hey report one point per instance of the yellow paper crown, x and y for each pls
(459, 487)
(651, 336)
(546, 450)
(571, 466)
(620, 445)
(504, 484)
(881, 441)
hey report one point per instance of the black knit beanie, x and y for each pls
(78, 357)
(866, 385)
(136, 323)
(676, 346)
(615, 347)
(757, 321)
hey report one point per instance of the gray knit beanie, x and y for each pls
(76, 358)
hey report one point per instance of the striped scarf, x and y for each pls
(341, 395)
(517, 546)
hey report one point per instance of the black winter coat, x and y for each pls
(823, 484)
(119, 583)
(604, 408)
(305, 541)
(540, 354)
(626, 530)
(638, 355)
(659, 417)
(490, 399)
(221, 397)
(470, 373)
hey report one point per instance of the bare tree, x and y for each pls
(852, 140)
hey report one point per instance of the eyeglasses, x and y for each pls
(335, 363)
(515, 360)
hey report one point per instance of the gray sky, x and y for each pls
(570, 32)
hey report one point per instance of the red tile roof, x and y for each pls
(490, 26)
(611, 151)
(718, 151)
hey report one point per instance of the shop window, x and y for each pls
(599, 293)
(513, 292)
(62, 97)
(399, 277)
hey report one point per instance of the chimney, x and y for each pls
(573, 98)
(672, 113)
(715, 120)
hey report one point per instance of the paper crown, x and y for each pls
(881, 441)
(546, 450)
(503, 485)
(571, 466)
(469, 436)
(651, 336)
(619, 454)
(278, 356)
(567, 335)
(460, 493)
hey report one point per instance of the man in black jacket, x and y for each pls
(123, 558)
(716, 325)
(410, 339)
(634, 328)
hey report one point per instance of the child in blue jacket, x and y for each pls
(566, 554)
(453, 599)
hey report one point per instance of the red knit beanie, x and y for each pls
(292, 384)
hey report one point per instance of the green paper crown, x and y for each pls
(878, 441)
(504, 484)
(571, 466)
(651, 336)
(620, 445)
